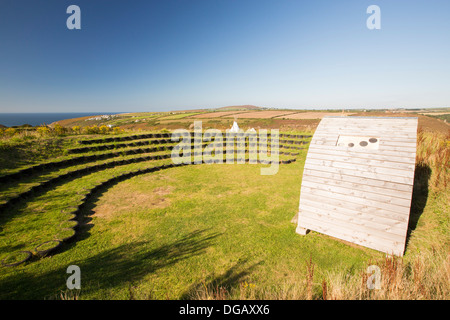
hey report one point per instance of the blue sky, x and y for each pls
(183, 54)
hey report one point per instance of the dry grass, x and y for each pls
(433, 151)
(425, 278)
(119, 201)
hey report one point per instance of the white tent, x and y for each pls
(235, 127)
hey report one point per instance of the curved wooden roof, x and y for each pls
(358, 179)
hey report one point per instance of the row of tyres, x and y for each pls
(118, 146)
(85, 159)
(126, 138)
(167, 141)
(75, 161)
(68, 230)
(89, 158)
(169, 135)
(45, 185)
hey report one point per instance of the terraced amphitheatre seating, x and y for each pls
(107, 162)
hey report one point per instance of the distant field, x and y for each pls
(435, 113)
(313, 115)
(244, 115)
(249, 117)
(179, 116)
(216, 114)
(263, 114)
(444, 116)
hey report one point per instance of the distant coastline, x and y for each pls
(36, 119)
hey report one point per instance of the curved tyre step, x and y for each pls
(17, 258)
(47, 247)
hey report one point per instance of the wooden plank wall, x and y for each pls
(361, 195)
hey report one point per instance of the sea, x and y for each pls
(36, 119)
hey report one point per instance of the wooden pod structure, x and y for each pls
(358, 180)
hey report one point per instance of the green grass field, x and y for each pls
(208, 231)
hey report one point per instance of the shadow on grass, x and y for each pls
(219, 286)
(24, 151)
(422, 175)
(108, 269)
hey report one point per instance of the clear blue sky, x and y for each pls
(173, 55)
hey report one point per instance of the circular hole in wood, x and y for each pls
(363, 143)
(351, 144)
(373, 140)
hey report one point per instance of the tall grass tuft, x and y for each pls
(309, 278)
(425, 277)
(433, 151)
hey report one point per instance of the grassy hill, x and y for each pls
(239, 108)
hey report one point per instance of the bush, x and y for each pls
(9, 132)
(118, 130)
(92, 130)
(104, 129)
(76, 129)
(59, 130)
(43, 131)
